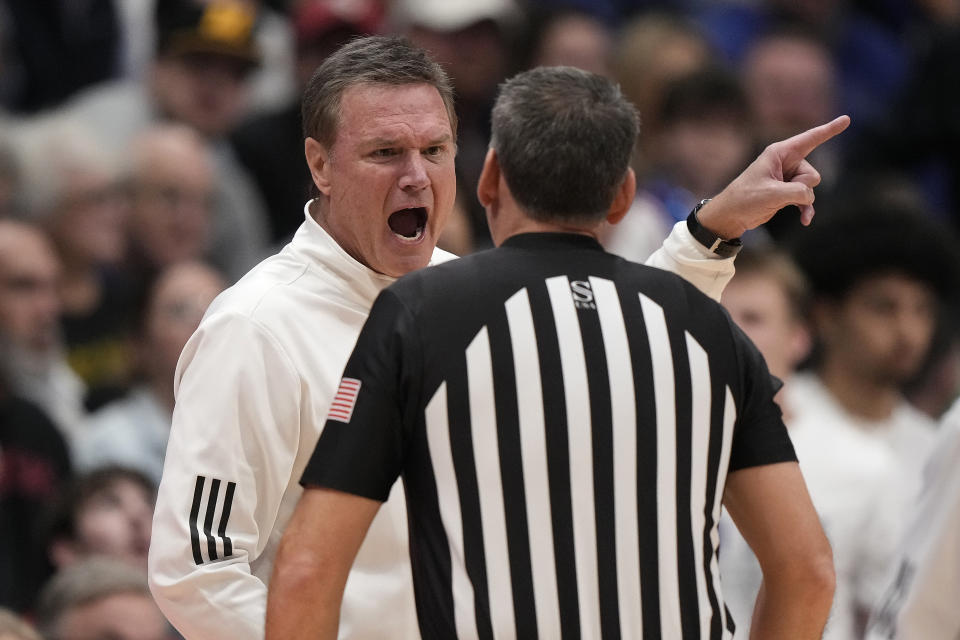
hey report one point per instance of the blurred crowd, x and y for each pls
(151, 152)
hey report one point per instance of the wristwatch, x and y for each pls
(713, 242)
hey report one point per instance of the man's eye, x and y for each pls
(434, 150)
(384, 153)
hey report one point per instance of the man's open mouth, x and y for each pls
(408, 223)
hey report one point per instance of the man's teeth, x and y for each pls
(416, 236)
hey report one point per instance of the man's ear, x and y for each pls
(318, 160)
(488, 187)
(623, 198)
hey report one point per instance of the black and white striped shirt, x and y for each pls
(564, 421)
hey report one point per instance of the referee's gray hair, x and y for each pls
(83, 583)
(563, 138)
(384, 60)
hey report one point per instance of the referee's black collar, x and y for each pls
(552, 240)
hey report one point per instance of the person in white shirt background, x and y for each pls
(922, 594)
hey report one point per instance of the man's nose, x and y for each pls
(414, 173)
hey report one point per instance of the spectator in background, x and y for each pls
(71, 189)
(34, 465)
(851, 481)
(13, 628)
(106, 512)
(205, 54)
(880, 271)
(790, 79)
(270, 145)
(703, 139)
(652, 50)
(199, 78)
(100, 598)
(923, 590)
(133, 431)
(271, 83)
(172, 186)
(871, 61)
(31, 350)
(568, 37)
(768, 297)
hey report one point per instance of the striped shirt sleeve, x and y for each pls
(760, 436)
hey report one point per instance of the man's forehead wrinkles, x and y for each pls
(403, 134)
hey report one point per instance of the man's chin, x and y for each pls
(402, 259)
(402, 265)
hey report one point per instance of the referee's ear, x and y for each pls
(488, 186)
(623, 198)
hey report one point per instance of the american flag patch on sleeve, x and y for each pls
(342, 407)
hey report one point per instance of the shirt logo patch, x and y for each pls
(342, 407)
(582, 294)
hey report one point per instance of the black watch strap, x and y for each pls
(710, 240)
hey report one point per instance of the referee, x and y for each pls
(567, 423)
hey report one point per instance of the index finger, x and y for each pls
(800, 145)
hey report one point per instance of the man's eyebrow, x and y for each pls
(382, 142)
(446, 137)
(393, 142)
